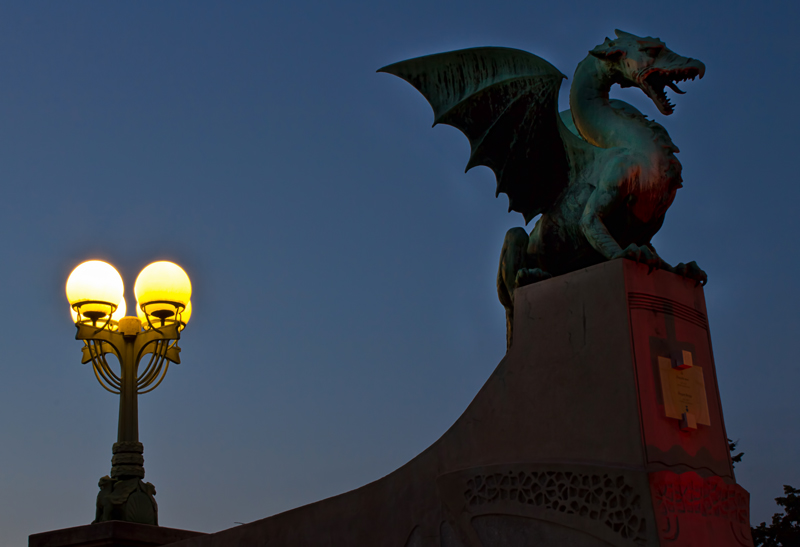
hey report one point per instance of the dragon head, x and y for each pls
(648, 64)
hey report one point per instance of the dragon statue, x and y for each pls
(601, 175)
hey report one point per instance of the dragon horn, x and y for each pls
(606, 51)
(623, 34)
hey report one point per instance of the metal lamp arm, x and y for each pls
(143, 339)
(107, 378)
(155, 360)
(94, 351)
(88, 332)
(165, 364)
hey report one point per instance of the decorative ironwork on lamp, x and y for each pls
(95, 293)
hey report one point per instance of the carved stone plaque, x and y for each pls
(683, 391)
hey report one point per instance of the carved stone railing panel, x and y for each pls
(610, 504)
(602, 497)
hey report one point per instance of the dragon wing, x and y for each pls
(506, 102)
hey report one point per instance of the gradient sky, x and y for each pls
(344, 266)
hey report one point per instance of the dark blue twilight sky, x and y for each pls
(343, 264)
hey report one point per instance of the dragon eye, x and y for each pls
(653, 51)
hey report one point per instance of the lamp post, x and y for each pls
(95, 294)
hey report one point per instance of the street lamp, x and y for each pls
(163, 307)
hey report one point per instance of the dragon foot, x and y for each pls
(528, 276)
(642, 255)
(691, 271)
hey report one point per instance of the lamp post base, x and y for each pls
(124, 495)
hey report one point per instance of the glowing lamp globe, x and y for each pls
(162, 290)
(95, 288)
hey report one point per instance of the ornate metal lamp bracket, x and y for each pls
(161, 344)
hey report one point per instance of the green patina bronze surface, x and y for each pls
(601, 175)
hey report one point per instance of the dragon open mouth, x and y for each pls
(655, 80)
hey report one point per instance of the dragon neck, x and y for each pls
(600, 123)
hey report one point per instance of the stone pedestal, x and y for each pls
(601, 426)
(114, 533)
(124, 495)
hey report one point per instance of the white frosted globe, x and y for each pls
(162, 290)
(96, 287)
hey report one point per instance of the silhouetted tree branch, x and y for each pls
(732, 446)
(785, 528)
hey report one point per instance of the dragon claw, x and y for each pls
(642, 255)
(692, 271)
(527, 276)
